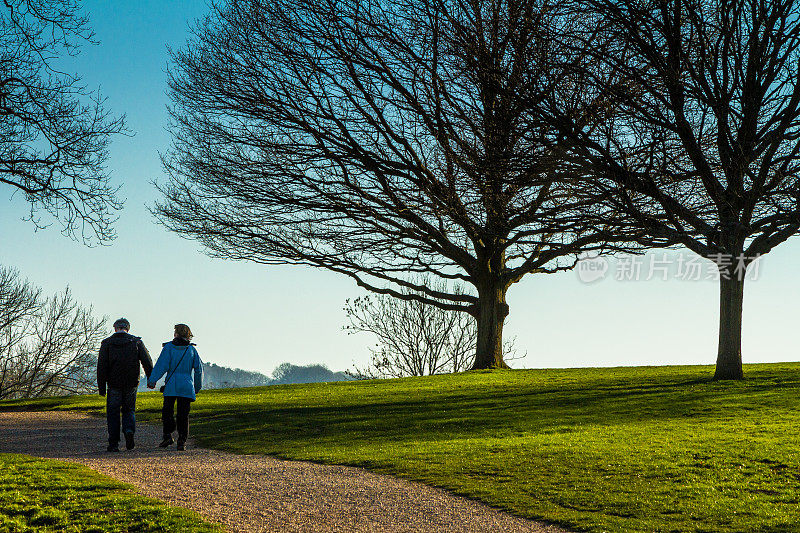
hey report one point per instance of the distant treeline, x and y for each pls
(221, 377)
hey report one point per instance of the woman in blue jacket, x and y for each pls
(178, 360)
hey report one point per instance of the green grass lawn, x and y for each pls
(46, 495)
(622, 449)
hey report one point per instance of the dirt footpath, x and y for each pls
(251, 493)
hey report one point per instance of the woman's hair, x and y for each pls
(183, 331)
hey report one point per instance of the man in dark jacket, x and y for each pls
(118, 368)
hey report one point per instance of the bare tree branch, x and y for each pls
(53, 132)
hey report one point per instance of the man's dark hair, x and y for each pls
(122, 323)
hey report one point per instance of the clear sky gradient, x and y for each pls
(256, 317)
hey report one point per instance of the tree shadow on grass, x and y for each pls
(445, 415)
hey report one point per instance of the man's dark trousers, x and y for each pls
(120, 401)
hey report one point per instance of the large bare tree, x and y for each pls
(701, 103)
(53, 132)
(380, 140)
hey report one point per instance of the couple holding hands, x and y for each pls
(118, 380)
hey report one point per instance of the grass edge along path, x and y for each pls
(601, 449)
(49, 495)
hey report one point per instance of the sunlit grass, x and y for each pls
(46, 495)
(623, 449)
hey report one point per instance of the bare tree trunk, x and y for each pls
(729, 354)
(492, 312)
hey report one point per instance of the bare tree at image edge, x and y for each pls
(702, 102)
(379, 141)
(47, 345)
(54, 134)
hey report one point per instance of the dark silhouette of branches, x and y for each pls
(383, 141)
(53, 132)
(702, 118)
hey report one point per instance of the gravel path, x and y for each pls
(251, 492)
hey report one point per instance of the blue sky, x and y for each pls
(256, 317)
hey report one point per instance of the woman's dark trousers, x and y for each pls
(168, 417)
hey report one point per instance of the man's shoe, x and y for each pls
(129, 444)
(112, 448)
(181, 446)
(166, 442)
